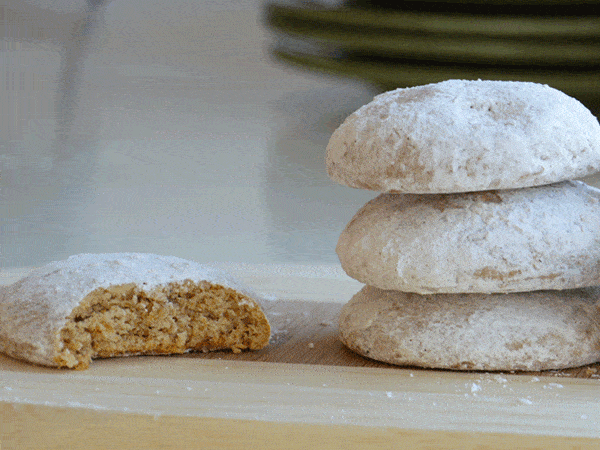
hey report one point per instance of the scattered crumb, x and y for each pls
(311, 345)
(500, 379)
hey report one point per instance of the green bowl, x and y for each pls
(401, 48)
(390, 74)
(280, 15)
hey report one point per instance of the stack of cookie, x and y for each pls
(482, 252)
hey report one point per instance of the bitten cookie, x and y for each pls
(103, 305)
(545, 237)
(460, 136)
(530, 331)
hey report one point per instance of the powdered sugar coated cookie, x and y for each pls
(460, 136)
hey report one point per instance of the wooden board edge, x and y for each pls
(35, 426)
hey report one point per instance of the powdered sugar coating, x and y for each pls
(33, 309)
(539, 330)
(460, 136)
(545, 237)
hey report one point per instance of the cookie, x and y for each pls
(103, 305)
(544, 237)
(530, 331)
(461, 136)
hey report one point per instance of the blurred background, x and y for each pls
(198, 128)
(405, 43)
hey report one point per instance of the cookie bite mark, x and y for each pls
(175, 318)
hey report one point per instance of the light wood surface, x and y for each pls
(305, 390)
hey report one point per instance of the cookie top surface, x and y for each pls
(529, 331)
(460, 136)
(62, 284)
(543, 237)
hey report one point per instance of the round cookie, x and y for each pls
(116, 304)
(460, 136)
(544, 237)
(531, 331)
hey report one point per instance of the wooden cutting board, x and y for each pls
(304, 390)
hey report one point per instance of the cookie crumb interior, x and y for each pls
(175, 318)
